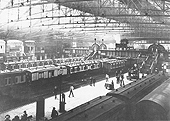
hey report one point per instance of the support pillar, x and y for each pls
(40, 109)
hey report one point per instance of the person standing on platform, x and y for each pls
(71, 91)
(118, 78)
(116, 73)
(107, 77)
(54, 113)
(129, 73)
(113, 86)
(55, 92)
(143, 75)
(91, 81)
(94, 81)
(122, 80)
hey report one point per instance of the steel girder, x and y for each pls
(145, 16)
(128, 12)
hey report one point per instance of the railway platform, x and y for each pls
(81, 96)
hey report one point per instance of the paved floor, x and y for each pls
(81, 95)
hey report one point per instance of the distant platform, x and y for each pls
(81, 96)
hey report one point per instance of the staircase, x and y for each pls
(154, 64)
(91, 55)
(143, 63)
(149, 64)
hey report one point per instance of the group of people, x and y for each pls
(120, 78)
(24, 117)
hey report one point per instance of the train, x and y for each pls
(155, 106)
(120, 104)
(34, 63)
(43, 74)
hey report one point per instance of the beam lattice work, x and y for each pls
(133, 13)
(118, 11)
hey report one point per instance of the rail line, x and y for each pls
(114, 101)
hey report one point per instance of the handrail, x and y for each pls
(147, 58)
(88, 56)
(144, 62)
(93, 53)
(153, 63)
(156, 59)
(139, 55)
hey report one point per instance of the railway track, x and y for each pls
(45, 93)
(114, 106)
(32, 94)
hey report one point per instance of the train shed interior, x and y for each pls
(82, 60)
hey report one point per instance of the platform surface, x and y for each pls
(81, 95)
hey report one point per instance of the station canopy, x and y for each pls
(84, 20)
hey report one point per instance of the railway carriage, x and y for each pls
(11, 79)
(94, 65)
(43, 72)
(122, 63)
(41, 75)
(75, 68)
(113, 64)
(80, 66)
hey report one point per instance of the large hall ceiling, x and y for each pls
(84, 20)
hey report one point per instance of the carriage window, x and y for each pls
(85, 67)
(34, 76)
(16, 79)
(40, 75)
(6, 81)
(81, 67)
(78, 68)
(19, 78)
(52, 73)
(92, 66)
(24, 78)
(72, 69)
(9, 81)
(49, 74)
(56, 72)
(46, 74)
(13, 66)
(75, 69)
